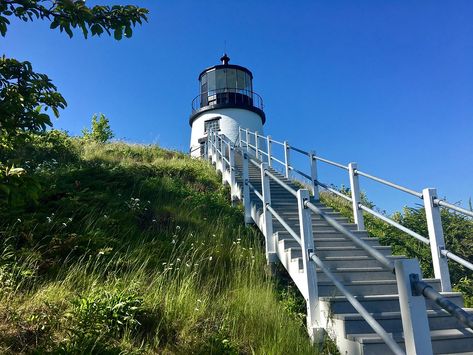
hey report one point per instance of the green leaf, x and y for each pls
(118, 34)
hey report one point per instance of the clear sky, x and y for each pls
(388, 84)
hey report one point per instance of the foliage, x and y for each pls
(16, 188)
(100, 131)
(65, 14)
(25, 97)
(101, 315)
(135, 249)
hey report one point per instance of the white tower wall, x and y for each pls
(230, 120)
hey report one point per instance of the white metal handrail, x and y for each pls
(372, 251)
(390, 184)
(361, 310)
(387, 338)
(414, 320)
(434, 219)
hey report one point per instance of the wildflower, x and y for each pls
(101, 252)
(210, 258)
(164, 263)
(49, 219)
(105, 216)
(19, 220)
(69, 219)
(196, 309)
(213, 235)
(64, 224)
(188, 265)
(173, 241)
(148, 201)
(154, 221)
(178, 259)
(199, 300)
(178, 228)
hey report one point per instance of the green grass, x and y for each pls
(135, 249)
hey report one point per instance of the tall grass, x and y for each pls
(135, 249)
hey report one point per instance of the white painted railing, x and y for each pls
(428, 195)
(408, 274)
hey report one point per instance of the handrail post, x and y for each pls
(267, 216)
(437, 242)
(209, 146)
(214, 149)
(310, 275)
(286, 159)
(256, 145)
(247, 140)
(246, 189)
(239, 137)
(231, 159)
(356, 196)
(313, 175)
(222, 162)
(269, 148)
(413, 310)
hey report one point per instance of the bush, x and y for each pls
(101, 131)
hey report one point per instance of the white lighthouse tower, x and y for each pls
(226, 101)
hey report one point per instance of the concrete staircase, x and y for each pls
(374, 286)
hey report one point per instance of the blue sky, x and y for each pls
(388, 84)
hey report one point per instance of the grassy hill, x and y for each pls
(134, 249)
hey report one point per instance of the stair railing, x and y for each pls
(432, 204)
(408, 273)
(306, 242)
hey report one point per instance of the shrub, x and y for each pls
(101, 131)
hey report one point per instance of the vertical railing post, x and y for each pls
(214, 148)
(286, 159)
(269, 148)
(267, 217)
(231, 159)
(247, 140)
(356, 196)
(256, 145)
(239, 137)
(310, 275)
(246, 188)
(313, 175)
(437, 242)
(413, 310)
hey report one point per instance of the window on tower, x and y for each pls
(212, 125)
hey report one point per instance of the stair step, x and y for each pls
(366, 287)
(382, 303)
(444, 341)
(322, 251)
(392, 322)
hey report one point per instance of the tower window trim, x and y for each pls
(213, 123)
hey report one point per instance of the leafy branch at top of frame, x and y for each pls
(70, 14)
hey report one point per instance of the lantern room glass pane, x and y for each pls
(247, 82)
(211, 80)
(203, 84)
(240, 80)
(220, 79)
(231, 79)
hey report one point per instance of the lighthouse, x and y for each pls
(226, 102)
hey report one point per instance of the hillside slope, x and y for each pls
(134, 249)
